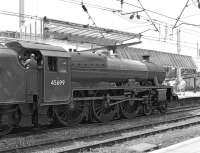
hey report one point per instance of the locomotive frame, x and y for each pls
(48, 94)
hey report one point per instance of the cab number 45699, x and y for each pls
(57, 82)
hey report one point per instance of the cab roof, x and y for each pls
(45, 49)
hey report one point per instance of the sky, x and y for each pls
(165, 40)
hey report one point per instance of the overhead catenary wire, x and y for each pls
(142, 24)
(178, 18)
(90, 17)
(195, 3)
(114, 10)
(168, 42)
(37, 17)
(192, 15)
(163, 23)
(147, 19)
(77, 2)
(19, 15)
(183, 30)
(198, 4)
(159, 22)
(160, 14)
(148, 16)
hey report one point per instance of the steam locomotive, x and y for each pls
(69, 87)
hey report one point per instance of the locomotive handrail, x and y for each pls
(87, 98)
(113, 47)
(122, 88)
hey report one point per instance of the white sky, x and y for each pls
(61, 10)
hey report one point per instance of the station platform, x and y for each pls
(189, 146)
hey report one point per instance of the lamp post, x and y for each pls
(178, 51)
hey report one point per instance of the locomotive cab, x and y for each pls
(49, 82)
(57, 77)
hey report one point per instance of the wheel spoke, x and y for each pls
(100, 109)
(147, 109)
(128, 110)
(103, 113)
(69, 117)
(163, 107)
(100, 112)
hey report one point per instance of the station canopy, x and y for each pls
(160, 58)
(62, 30)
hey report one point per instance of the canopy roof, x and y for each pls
(63, 30)
(160, 58)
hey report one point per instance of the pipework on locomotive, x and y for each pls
(69, 87)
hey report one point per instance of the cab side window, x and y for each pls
(52, 64)
(62, 65)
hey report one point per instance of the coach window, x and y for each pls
(52, 63)
(62, 65)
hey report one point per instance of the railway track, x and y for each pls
(117, 135)
(30, 130)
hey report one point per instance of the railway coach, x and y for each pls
(67, 88)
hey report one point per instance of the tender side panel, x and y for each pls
(12, 78)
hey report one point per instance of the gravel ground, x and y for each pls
(163, 139)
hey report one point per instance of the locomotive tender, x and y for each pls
(68, 87)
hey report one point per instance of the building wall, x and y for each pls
(190, 83)
(9, 34)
